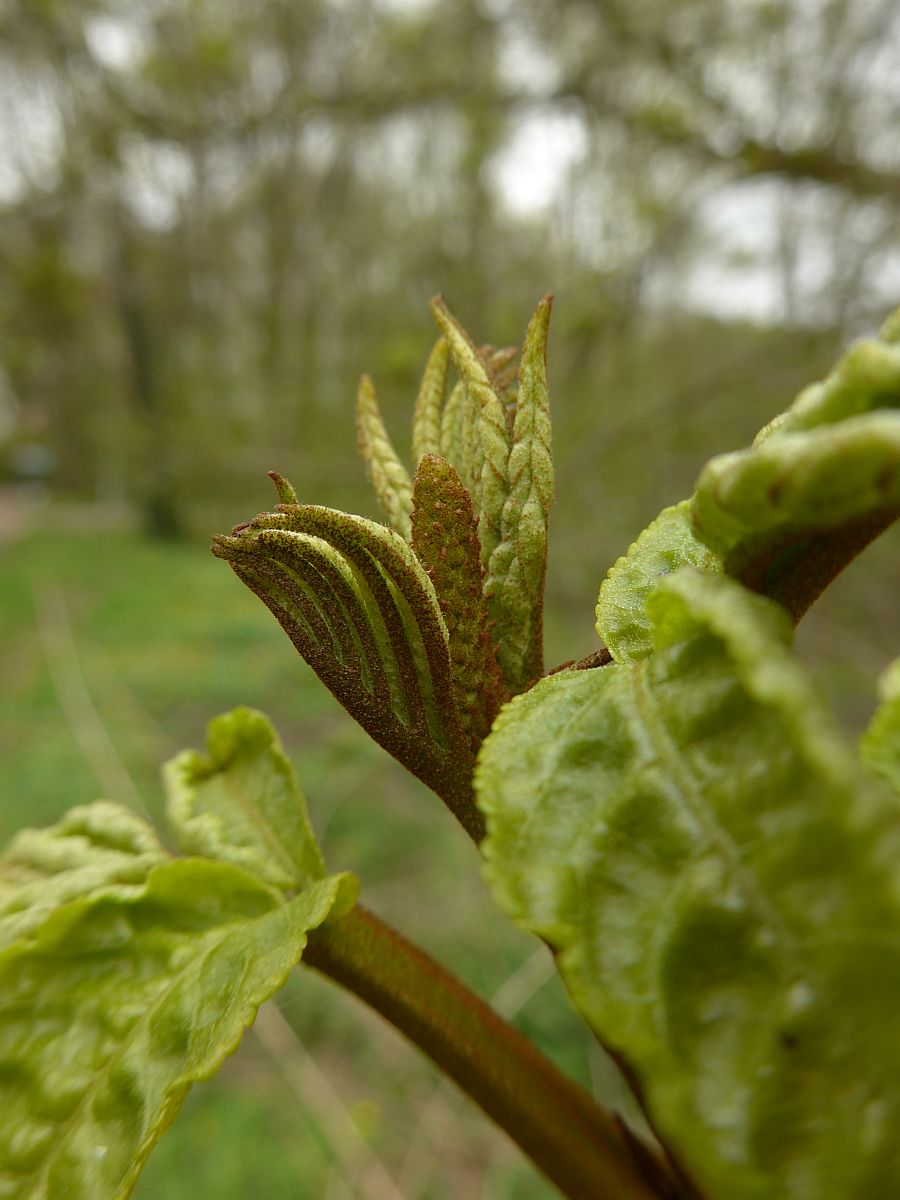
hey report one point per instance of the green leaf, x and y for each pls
(881, 741)
(818, 484)
(116, 1005)
(357, 604)
(445, 540)
(96, 850)
(663, 547)
(718, 878)
(514, 582)
(389, 477)
(426, 432)
(485, 465)
(451, 428)
(240, 802)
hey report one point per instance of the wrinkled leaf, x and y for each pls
(485, 465)
(818, 484)
(514, 582)
(240, 802)
(663, 547)
(389, 477)
(426, 432)
(445, 540)
(720, 883)
(881, 742)
(96, 849)
(116, 1004)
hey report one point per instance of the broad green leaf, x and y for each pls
(240, 802)
(426, 432)
(445, 540)
(663, 547)
(359, 607)
(514, 582)
(116, 1005)
(881, 742)
(96, 849)
(719, 881)
(486, 454)
(389, 477)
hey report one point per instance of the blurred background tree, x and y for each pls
(214, 216)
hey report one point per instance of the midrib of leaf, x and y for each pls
(265, 829)
(676, 763)
(69, 1125)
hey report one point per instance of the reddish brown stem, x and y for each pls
(579, 1146)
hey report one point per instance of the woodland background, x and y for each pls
(213, 217)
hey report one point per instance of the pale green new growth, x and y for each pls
(514, 582)
(240, 802)
(485, 465)
(881, 742)
(389, 477)
(96, 850)
(663, 547)
(451, 428)
(718, 878)
(426, 430)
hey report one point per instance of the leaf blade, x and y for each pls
(240, 802)
(718, 880)
(129, 1002)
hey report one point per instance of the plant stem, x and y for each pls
(579, 1146)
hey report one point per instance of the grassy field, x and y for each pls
(115, 653)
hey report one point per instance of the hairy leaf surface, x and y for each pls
(240, 802)
(389, 477)
(361, 610)
(116, 1004)
(485, 449)
(663, 547)
(720, 882)
(514, 582)
(445, 540)
(426, 431)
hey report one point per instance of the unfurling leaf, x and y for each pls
(817, 485)
(663, 547)
(360, 609)
(389, 477)
(514, 582)
(881, 741)
(451, 428)
(484, 466)
(123, 996)
(718, 878)
(240, 802)
(445, 540)
(426, 432)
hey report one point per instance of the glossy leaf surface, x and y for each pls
(240, 802)
(720, 882)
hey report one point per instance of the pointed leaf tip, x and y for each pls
(286, 492)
